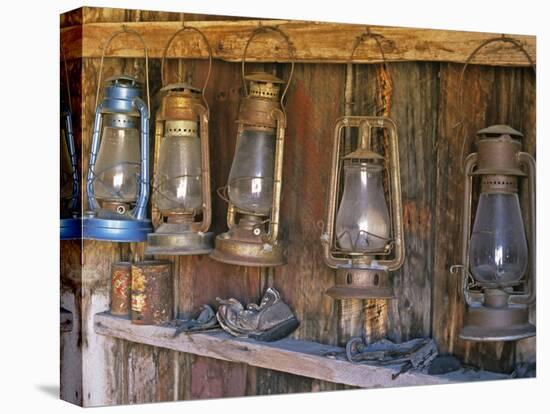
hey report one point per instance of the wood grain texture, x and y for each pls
(414, 105)
(71, 18)
(311, 109)
(314, 42)
(70, 366)
(288, 355)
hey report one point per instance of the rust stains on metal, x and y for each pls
(120, 288)
(152, 296)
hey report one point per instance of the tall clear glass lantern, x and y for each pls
(253, 191)
(498, 260)
(363, 239)
(118, 171)
(181, 197)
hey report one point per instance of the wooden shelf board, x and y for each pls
(294, 356)
(313, 42)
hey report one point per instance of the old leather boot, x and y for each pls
(269, 321)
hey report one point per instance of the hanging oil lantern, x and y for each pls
(181, 195)
(71, 225)
(118, 172)
(498, 267)
(253, 191)
(363, 238)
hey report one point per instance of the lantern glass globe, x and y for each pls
(118, 165)
(363, 222)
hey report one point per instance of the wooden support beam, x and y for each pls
(288, 355)
(313, 42)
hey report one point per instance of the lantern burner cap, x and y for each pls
(180, 87)
(363, 154)
(495, 131)
(123, 81)
(263, 77)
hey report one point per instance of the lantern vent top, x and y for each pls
(363, 154)
(264, 85)
(495, 131)
(180, 87)
(123, 81)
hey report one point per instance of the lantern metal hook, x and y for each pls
(363, 37)
(105, 47)
(503, 38)
(205, 40)
(265, 29)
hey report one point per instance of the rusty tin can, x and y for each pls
(121, 283)
(152, 292)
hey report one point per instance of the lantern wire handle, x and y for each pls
(504, 39)
(363, 38)
(106, 46)
(67, 79)
(265, 29)
(201, 34)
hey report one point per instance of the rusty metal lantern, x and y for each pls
(253, 191)
(498, 261)
(181, 195)
(498, 269)
(363, 237)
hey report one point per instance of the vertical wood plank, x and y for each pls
(414, 106)
(314, 102)
(70, 368)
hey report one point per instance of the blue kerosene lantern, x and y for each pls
(118, 172)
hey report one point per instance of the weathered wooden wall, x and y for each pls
(424, 107)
